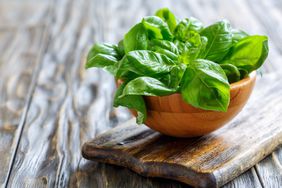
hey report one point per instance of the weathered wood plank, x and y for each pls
(93, 174)
(270, 170)
(104, 175)
(16, 14)
(19, 50)
(247, 180)
(70, 105)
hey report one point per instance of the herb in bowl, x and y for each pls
(162, 55)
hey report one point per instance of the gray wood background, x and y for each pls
(50, 105)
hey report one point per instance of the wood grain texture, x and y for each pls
(208, 161)
(19, 50)
(246, 180)
(71, 105)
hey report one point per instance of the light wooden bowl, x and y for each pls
(172, 116)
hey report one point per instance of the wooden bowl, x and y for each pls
(172, 116)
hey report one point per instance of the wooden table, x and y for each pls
(50, 105)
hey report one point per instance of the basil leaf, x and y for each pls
(186, 28)
(104, 48)
(136, 39)
(182, 46)
(202, 47)
(146, 86)
(173, 79)
(135, 102)
(205, 85)
(249, 53)
(232, 72)
(163, 44)
(164, 47)
(122, 70)
(167, 53)
(103, 56)
(146, 63)
(103, 61)
(237, 35)
(219, 37)
(120, 48)
(193, 49)
(157, 28)
(243, 73)
(166, 15)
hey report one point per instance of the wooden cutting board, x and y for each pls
(208, 161)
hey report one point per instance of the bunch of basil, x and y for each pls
(162, 55)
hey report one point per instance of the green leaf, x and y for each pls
(188, 40)
(167, 53)
(193, 49)
(202, 47)
(205, 85)
(120, 48)
(174, 77)
(104, 48)
(249, 53)
(136, 39)
(157, 28)
(103, 61)
(166, 15)
(232, 72)
(122, 70)
(135, 102)
(145, 63)
(146, 86)
(163, 44)
(219, 37)
(237, 35)
(186, 28)
(164, 47)
(243, 73)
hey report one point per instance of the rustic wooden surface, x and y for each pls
(207, 161)
(49, 105)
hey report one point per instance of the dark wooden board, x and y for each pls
(208, 161)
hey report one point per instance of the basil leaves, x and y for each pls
(219, 40)
(162, 55)
(248, 53)
(136, 39)
(205, 86)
